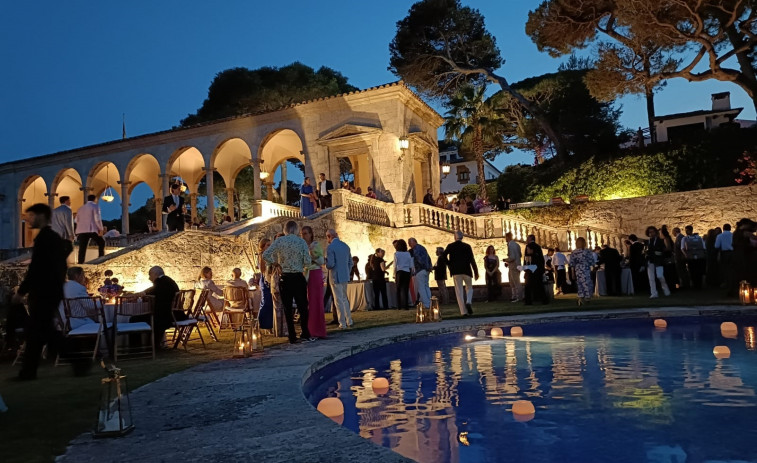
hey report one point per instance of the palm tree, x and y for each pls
(478, 124)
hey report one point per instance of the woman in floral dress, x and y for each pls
(581, 260)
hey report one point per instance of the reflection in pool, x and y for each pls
(609, 391)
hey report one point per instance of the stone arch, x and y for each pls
(104, 174)
(186, 162)
(68, 183)
(144, 168)
(229, 158)
(33, 190)
(279, 146)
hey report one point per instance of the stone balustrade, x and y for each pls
(269, 209)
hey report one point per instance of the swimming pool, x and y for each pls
(603, 391)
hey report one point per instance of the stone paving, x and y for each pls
(254, 409)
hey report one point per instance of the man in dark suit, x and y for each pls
(43, 284)
(173, 205)
(610, 257)
(164, 288)
(534, 256)
(323, 191)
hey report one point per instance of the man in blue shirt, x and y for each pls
(423, 265)
(339, 263)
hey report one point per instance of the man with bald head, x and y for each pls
(163, 289)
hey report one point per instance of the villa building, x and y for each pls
(462, 172)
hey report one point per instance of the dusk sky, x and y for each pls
(70, 69)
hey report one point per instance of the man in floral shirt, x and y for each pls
(292, 254)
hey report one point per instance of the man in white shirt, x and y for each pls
(74, 287)
(513, 261)
(89, 226)
(112, 233)
(560, 263)
(63, 219)
(323, 191)
(724, 245)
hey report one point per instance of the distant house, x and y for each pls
(680, 126)
(462, 172)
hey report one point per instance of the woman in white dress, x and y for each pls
(205, 281)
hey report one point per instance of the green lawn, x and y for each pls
(44, 415)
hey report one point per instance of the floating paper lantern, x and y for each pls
(524, 418)
(660, 323)
(721, 352)
(481, 334)
(469, 337)
(523, 407)
(729, 330)
(497, 332)
(380, 386)
(332, 408)
(516, 331)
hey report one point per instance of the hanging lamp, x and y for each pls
(107, 195)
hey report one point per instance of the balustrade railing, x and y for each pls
(367, 210)
(270, 209)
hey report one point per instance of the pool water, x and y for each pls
(604, 391)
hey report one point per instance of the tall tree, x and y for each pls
(652, 40)
(478, 124)
(589, 127)
(240, 90)
(442, 45)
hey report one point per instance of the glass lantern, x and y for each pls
(422, 315)
(114, 417)
(436, 311)
(241, 346)
(256, 337)
(745, 293)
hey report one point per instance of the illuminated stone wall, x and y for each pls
(704, 209)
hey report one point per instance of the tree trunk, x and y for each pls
(478, 149)
(747, 78)
(651, 115)
(560, 151)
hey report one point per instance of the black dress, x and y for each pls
(493, 278)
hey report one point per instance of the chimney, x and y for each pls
(721, 101)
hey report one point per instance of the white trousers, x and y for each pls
(424, 290)
(343, 309)
(656, 271)
(463, 297)
(515, 285)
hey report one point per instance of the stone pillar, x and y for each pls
(125, 208)
(193, 206)
(166, 192)
(51, 200)
(85, 191)
(20, 228)
(159, 213)
(257, 184)
(283, 186)
(210, 209)
(269, 189)
(230, 202)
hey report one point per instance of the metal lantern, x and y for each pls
(422, 314)
(745, 293)
(436, 311)
(114, 418)
(256, 338)
(241, 346)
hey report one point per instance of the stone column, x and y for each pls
(283, 186)
(85, 191)
(166, 191)
(269, 189)
(230, 202)
(193, 206)
(210, 209)
(257, 184)
(20, 227)
(51, 199)
(159, 213)
(125, 208)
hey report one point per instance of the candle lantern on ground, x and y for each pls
(436, 311)
(256, 338)
(422, 314)
(745, 293)
(114, 417)
(241, 344)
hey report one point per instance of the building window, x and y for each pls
(463, 175)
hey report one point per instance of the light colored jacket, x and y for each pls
(63, 222)
(88, 219)
(338, 261)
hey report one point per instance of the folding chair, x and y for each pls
(240, 297)
(183, 302)
(84, 319)
(204, 314)
(133, 306)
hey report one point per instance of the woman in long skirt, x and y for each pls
(581, 261)
(316, 317)
(307, 198)
(265, 315)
